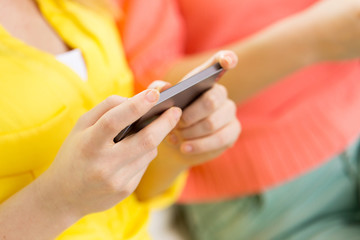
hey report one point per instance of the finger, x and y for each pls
(205, 105)
(227, 59)
(222, 138)
(116, 119)
(220, 118)
(152, 135)
(90, 118)
(173, 137)
(159, 85)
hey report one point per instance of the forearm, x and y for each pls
(161, 173)
(34, 213)
(264, 58)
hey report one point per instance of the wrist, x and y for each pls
(54, 202)
(38, 208)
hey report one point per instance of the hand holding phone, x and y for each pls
(181, 95)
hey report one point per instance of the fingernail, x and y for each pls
(156, 84)
(187, 148)
(159, 87)
(228, 59)
(152, 95)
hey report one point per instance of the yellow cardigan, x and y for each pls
(41, 99)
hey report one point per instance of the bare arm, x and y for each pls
(317, 34)
(330, 30)
(90, 173)
(263, 58)
(256, 69)
(36, 212)
(207, 127)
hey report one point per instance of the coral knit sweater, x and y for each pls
(289, 129)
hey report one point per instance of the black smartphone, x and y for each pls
(180, 95)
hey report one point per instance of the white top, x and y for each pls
(75, 61)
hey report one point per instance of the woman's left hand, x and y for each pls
(208, 126)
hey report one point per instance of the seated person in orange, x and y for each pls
(61, 174)
(296, 86)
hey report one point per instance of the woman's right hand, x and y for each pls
(91, 173)
(335, 27)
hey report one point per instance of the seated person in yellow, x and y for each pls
(90, 188)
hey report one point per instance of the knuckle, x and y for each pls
(129, 189)
(222, 90)
(149, 141)
(210, 102)
(186, 119)
(115, 186)
(86, 149)
(222, 139)
(152, 154)
(135, 109)
(232, 107)
(144, 161)
(99, 175)
(118, 185)
(112, 100)
(209, 125)
(109, 123)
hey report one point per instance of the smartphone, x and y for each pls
(180, 95)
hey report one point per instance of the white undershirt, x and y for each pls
(75, 61)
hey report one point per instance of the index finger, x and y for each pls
(116, 119)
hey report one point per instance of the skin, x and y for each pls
(327, 31)
(206, 129)
(35, 31)
(90, 172)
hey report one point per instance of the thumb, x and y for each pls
(159, 85)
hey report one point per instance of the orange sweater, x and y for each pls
(288, 129)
